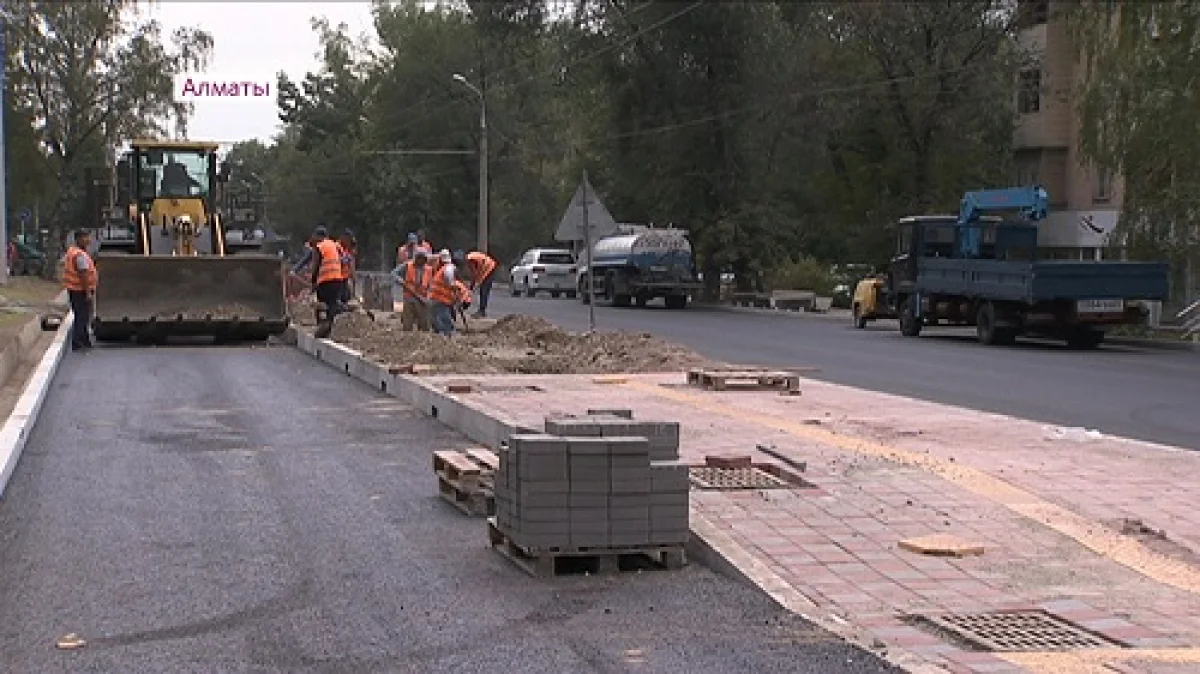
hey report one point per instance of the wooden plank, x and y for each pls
(485, 458)
(549, 563)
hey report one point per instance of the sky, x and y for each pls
(253, 41)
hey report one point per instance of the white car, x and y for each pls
(544, 269)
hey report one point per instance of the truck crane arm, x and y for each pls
(1031, 203)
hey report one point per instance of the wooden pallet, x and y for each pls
(550, 562)
(465, 479)
(720, 380)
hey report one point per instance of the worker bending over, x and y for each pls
(80, 279)
(328, 277)
(445, 294)
(415, 277)
(482, 268)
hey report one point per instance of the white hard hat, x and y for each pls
(445, 255)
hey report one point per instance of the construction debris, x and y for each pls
(513, 344)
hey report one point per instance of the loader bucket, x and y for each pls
(237, 297)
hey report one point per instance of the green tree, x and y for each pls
(93, 76)
(1137, 118)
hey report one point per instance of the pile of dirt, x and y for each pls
(514, 344)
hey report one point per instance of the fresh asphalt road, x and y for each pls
(250, 510)
(1148, 394)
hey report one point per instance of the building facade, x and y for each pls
(1084, 200)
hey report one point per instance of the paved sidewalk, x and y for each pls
(1097, 530)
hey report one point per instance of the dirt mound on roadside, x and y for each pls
(513, 344)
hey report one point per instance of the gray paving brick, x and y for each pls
(572, 428)
(585, 500)
(587, 514)
(632, 539)
(668, 524)
(627, 445)
(641, 486)
(542, 487)
(596, 484)
(639, 462)
(589, 527)
(668, 497)
(587, 465)
(628, 500)
(616, 475)
(589, 539)
(580, 446)
(629, 526)
(669, 537)
(529, 514)
(538, 466)
(538, 443)
(559, 500)
(613, 412)
(667, 513)
(641, 513)
(667, 476)
(560, 529)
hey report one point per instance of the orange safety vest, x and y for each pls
(482, 265)
(421, 285)
(440, 291)
(464, 293)
(330, 254)
(72, 279)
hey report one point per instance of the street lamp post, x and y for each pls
(482, 233)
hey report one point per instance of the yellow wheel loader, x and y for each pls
(174, 272)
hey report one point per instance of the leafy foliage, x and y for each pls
(1138, 117)
(89, 76)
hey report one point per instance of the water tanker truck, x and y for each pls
(639, 264)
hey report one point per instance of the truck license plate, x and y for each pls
(1100, 306)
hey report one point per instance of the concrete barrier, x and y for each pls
(20, 422)
(14, 353)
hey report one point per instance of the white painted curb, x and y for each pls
(24, 414)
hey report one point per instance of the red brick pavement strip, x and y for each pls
(837, 546)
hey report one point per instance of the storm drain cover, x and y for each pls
(709, 477)
(1014, 631)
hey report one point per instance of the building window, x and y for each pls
(1029, 92)
(1033, 13)
(1104, 185)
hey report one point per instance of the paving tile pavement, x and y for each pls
(1045, 504)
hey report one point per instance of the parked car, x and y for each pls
(548, 269)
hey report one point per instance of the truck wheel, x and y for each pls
(910, 326)
(640, 300)
(1085, 338)
(554, 294)
(676, 301)
(529, 292)
(860, 321)
(986, 330)
(513, 287)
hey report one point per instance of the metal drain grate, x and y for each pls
(709, 477)
(1014, 631)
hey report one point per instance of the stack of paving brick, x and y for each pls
(597, 482)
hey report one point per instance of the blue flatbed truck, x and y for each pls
(982, 271)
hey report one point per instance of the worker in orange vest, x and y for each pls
(412, 244)
(80, 279)
(444, 296)
(328, 278)
(414, 276)
(482, 268)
